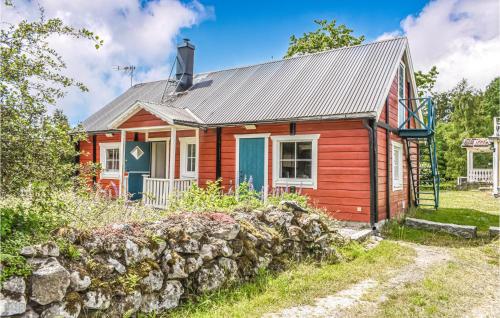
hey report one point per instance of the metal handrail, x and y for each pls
(422, 103)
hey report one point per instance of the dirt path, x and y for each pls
(341, 303)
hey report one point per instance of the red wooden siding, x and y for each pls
(143, 119)
(399, 198)
(207, 157)
(343, 164)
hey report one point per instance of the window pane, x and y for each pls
(191, 150)
(112, 160)
(401, 82)
(287, 169)
(304, 150)
(191, 165)
(397, 166)
(287, 150)
(304, 170)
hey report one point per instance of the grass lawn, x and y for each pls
(448, 289)
(299, 285)
(458, 207)
(476, 200)
(466, 284)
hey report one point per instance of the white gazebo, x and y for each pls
(475, 145)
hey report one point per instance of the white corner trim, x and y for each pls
(397, 186)
(404, 92)
(183, 142)
(303, 183)
(266, 158)
(103, 146)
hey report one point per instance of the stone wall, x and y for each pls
(132, 268)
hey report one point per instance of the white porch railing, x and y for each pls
(481, 175)
(156, 192)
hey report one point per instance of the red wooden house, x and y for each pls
(331, 124)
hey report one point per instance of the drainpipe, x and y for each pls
(371, 126)
(387, 161)
(218, 153)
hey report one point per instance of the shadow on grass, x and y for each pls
(458, 216)
(397, 230)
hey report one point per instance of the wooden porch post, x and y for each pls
(123, 138)
(173, 142)
(470, 164)
(495, 166)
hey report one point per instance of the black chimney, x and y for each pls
(184, 65)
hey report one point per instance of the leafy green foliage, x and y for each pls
(32, 218)
(212, 198)
(68, 249)
(426, 81)
(275, 199)
(34, 144)
(463, 112)
(328, 36)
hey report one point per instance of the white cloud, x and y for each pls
(133, 34)
(460, 37)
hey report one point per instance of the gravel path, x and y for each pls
(339, 304)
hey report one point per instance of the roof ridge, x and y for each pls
(284, 59)
(304, 55)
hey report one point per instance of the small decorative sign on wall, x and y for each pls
(137, 152)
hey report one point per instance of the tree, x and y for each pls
(467, 113)
(35, 147)
(426, 81)
(328, 36)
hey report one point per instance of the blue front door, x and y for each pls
(251, 161)
(137, 163)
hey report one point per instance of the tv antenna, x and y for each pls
(128, 69)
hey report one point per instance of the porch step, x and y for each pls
(358, 235)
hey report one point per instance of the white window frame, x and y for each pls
(397, 180)
(297, 182)
(103, 147)
(184, 142)
(401, 108)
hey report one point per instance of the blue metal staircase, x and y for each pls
(421, 150)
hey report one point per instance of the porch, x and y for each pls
(162, 160)
(479, 146)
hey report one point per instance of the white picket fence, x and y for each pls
(157, 192)
(480, 175)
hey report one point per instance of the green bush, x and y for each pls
(211, 198)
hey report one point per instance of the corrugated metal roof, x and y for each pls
(342, 83)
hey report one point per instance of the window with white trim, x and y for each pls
(188, 157)
(295, 160)
(401, 94)
(397, 166)
(110, 160)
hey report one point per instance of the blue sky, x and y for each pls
(248, 32)
(460, 37)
